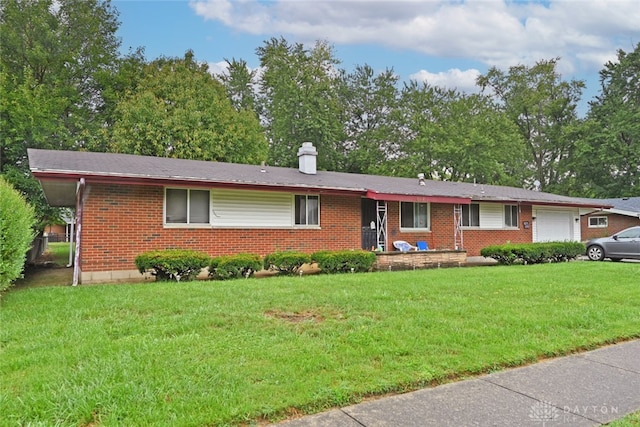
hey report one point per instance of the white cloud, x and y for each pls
(464, 81)
(495, 32)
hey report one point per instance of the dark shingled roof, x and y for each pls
(60, 165)
(629, 204)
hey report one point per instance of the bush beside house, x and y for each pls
(17, 219)
(234, 266)
(533, 253)
(344, 261)
(172, 264)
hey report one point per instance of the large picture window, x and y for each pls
(307, 210)
(471, 215)
(510, 215)
(185, 206)
(414, 215)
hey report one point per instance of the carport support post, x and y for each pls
(79, 206)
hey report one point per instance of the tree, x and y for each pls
(239, 83)
(608, 157)
(544, 109)
(370, 101)
(52, 54)
(16, 233)
(456, 137)
(300, 102)
(178, 109)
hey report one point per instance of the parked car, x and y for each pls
(623, 244)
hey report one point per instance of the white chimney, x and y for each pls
(307, 158)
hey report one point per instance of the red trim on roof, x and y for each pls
(416, 198)
(158, 182)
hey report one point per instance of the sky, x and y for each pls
(445, 43)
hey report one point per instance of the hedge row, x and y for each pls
(183, 265)
(533, 253)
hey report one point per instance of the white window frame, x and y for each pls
(187, 223)
(306, 224)
(511, 209)
(413, 229)
(597, 225)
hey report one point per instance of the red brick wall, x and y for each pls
(120, 222)
(441, 235)
(615, 223)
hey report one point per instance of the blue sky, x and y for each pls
(446, 43)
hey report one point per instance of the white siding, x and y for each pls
(258, 209)
(491, 215)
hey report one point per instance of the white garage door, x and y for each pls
(554, 226)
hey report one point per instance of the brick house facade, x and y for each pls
(126, 205)
(624, 213)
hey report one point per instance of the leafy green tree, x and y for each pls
(300, 101)
(178, 109)
(370, 102)
(16, 233)
(456, 137)
(240, 83)
(544, 108)
(608, 156)
(52, 54)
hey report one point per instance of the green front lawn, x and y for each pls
(217, 353)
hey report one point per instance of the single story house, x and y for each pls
(623, 213)
(128, 204)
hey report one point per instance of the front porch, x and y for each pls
(412, 260)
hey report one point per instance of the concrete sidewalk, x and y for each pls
(586, 389)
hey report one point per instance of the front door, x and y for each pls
(369, 224)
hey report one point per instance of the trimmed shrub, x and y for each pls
(17, 219)
(234, 266)
(172, 264)
(533, 253)
(288, 262)
(344, 261)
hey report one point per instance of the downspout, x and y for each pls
(79, 207)
(71, 241)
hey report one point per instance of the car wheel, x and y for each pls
(616, 259)
(595, 253)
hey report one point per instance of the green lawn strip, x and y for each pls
(226, 353)
(59, 252)
(632, 419)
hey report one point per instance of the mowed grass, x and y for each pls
(246, 351)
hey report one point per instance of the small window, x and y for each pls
(510, 215)
(598, 221)
(183, 206)
(307, 210)
(471, 215)
(414, 215)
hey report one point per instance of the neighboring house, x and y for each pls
(61, 232)
(624, 213)
(127, 204)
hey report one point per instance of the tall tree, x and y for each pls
(52, 53)
(608, 161)
(544, 108)
(178, 109)
(300, 101)
(370, 101)
(456, 137)
(240, 83)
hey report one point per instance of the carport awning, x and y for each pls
(388, 197)
(60, 193)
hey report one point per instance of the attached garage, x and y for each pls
(556, 225)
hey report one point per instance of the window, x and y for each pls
(307, 210)
(471, 215)
(510, 215)
(414, 215)
(184, 206)
(598, 221)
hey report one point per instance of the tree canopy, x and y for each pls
(178, 109)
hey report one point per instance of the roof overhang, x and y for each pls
(390, 197)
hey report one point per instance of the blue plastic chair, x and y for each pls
(422, 245)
